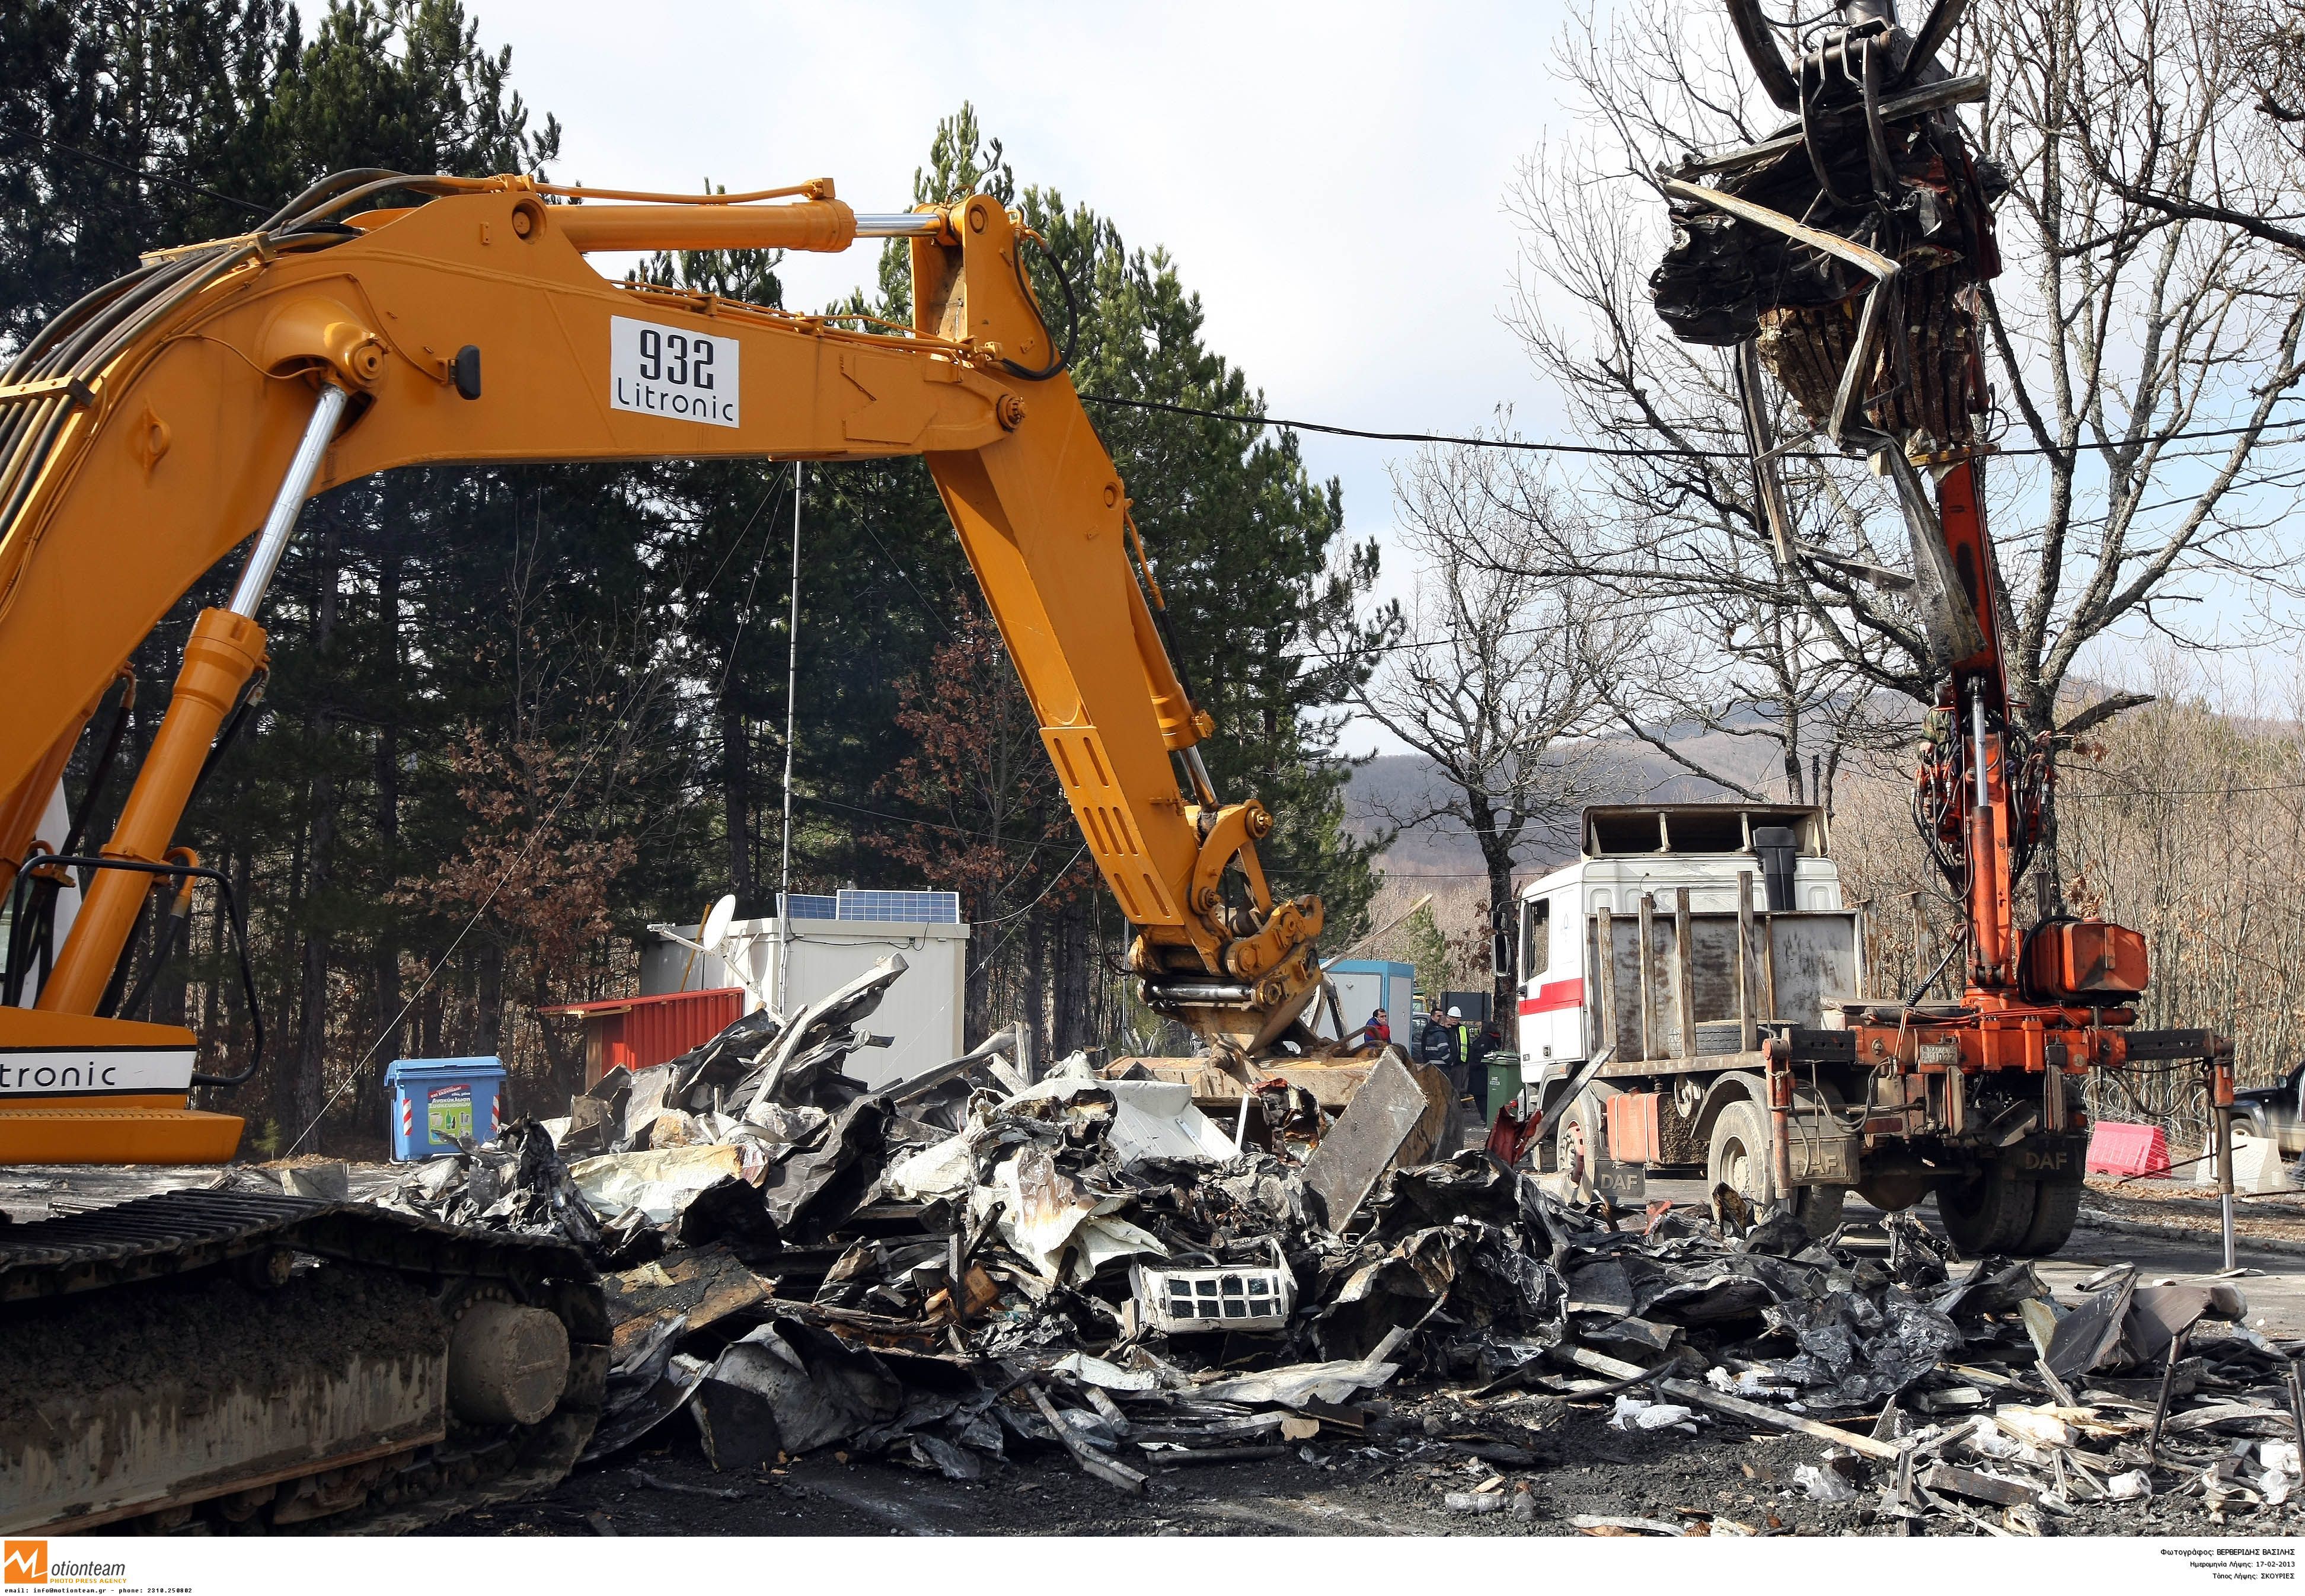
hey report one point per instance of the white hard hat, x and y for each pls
(1455, 1013)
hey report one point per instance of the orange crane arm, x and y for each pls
(144, 437)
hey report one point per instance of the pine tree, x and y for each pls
(127, 126)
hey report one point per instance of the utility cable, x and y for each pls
(2068, 795)
(1063, 359)
(142, 176)
(435, 966)
(995, 951)
(1525, 445)
(744, 610)
(882, 814)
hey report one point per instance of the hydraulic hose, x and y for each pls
(239, 937)
(1072, 311)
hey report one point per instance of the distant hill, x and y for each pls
(1628, 771)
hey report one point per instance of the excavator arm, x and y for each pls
(1846, 255)
(146, 433)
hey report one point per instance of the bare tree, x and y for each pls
(1743, 696)
(1498, 673)
(2140, 359)
(2243, 165)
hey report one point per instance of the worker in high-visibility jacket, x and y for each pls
(1444, 1046)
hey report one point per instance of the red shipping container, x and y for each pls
(638, 1033)
(2117, 1149)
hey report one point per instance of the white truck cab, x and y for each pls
(1628, 850)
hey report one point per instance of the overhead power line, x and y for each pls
(162, 178)
(1604, 451)
(1326, 428)
(1331, 429)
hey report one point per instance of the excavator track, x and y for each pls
(217, 1361)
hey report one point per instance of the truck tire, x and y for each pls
(1584, 1126)
(1738, 1155)
(1991, 1213)
(2056, 1204)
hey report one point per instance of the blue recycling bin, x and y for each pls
(436, 1100)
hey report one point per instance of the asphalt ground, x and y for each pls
(2274, 1281)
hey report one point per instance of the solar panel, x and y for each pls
(906, 908)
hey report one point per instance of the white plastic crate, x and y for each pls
(1183, 1302)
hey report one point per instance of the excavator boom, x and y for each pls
(146, 433)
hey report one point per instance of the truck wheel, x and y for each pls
(1738, 1157)
(2056, 1204)
(1581, 1131)
(1991, 1213)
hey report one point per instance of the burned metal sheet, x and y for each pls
(813, 1390)
(2090, 1334)
(1379, 1129)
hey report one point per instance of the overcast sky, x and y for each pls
(1329, 178)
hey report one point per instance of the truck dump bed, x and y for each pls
(1683, 990)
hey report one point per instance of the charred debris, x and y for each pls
(958, 1271)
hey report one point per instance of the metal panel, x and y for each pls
(924, 1010)
(1365, 985)
(667, 1027)
(637, 1033)
(1808, 957)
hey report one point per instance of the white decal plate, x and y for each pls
(93, 1072)
(658, 370)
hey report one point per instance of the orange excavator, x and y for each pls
(167, 1359)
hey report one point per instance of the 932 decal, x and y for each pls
(669, 372)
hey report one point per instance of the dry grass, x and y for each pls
(2183, 820)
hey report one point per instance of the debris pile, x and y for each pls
(944, 1272)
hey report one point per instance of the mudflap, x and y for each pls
(2060, 1156)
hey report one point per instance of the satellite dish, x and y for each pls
(716, 922)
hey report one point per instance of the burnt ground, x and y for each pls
(1392, 1483)
(2271, 1216)
(1580, 1466)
